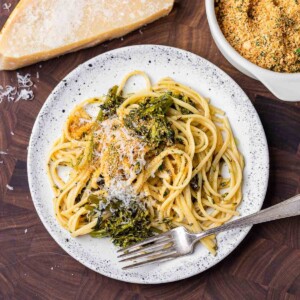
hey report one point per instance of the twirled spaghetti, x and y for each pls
(192, 178)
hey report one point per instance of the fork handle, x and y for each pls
(287, 208)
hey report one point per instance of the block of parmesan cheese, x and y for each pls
(39, 30)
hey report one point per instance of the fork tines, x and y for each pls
(154, 249)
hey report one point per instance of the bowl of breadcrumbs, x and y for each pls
(261, 38)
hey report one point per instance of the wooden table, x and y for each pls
(32, 266)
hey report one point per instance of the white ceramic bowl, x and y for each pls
(93, 78)
(285, 86)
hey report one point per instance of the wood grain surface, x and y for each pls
(32, 266)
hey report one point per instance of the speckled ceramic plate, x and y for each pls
(93, 78)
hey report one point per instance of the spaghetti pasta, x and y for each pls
(186, 171)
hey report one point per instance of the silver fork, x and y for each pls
(178, 241)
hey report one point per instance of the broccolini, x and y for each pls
(150, 123)
(110, 105)
(125, 225)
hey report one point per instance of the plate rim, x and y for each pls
(60, 84)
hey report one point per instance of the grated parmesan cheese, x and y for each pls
(128, 148)
(7, 93)
(128, 159)
(84, 121)
(24, 81)
(6, 6)
(21, 92)
(25, 94)
(9, 187)
(121, 190)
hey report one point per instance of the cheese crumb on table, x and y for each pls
(9, 187)
(6, 6)
(23, 90)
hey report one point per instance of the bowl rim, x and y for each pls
(234, 54)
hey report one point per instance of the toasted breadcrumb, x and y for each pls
(266, 32)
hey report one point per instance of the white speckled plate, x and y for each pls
(93, 78)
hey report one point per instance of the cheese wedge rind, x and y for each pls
(39, 30)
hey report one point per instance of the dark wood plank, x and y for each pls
(32, 266)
